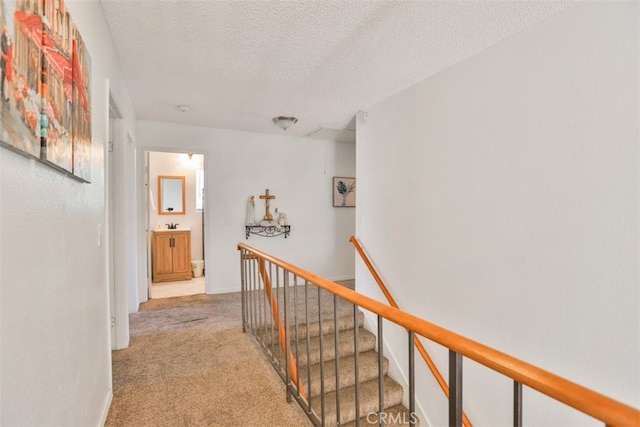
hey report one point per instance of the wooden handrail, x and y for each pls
(594, 404)
(416, 341)
(283, 336)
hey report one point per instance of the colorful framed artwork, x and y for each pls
(81, 108)
(45, 110)
(344, 192)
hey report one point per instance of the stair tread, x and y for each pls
(368, 369)
(366, 342)
(304, 339)
(368, 397)
(396, 416)
(345, 322)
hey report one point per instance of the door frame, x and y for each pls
(117, 198)
(145, 204)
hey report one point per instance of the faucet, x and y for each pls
(172, 226)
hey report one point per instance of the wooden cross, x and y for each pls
(267, 197)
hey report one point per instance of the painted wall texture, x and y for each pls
(298, 171)
(54, 306)
(499, 199)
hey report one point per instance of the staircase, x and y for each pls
(316, 342)
(328, 369)
(315, 365)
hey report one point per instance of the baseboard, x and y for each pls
(222, 291)
(338, 278)
(105, 409)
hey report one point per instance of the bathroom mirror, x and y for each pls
(171, 195)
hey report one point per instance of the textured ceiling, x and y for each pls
(238, 64)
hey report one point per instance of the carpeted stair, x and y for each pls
(367, 374)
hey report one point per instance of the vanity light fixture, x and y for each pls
(284, 123)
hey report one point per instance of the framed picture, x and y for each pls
(344, 192)
(45, 105)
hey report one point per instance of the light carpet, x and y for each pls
(190, 364)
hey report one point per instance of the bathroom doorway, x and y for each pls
(175, 218)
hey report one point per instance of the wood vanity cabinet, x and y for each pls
(171, 255)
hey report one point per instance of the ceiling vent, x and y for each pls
(338, 135)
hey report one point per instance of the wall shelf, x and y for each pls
(268, 230)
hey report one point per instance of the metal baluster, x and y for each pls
(306, 314)
(250, 293)
(247, 290)
(412, 379)
(259, 313)
(380, 372)
(356, 349)
(243, 285)
(277, 309)
(274, 344)
(266, 309)
(337, 357)
(268, 317)
(277, 351)
(295, 324)
(455, 389)
(254, 294)
(286, 335)
(517, 404)
(321, 359)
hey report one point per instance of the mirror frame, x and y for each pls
(160, 211)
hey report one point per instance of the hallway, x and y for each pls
(178, 289)
(190, 364)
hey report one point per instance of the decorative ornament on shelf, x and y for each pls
(251, 211)
(268, 227)
(267, 197)
(282, 218)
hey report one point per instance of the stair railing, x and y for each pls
(276, 318)
(416, 341)
(256, 321)
(281, 315)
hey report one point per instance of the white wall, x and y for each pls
(54, 309)
(510, 210)
(298, 171)
(178, 164)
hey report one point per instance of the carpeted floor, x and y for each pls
(189, 364)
